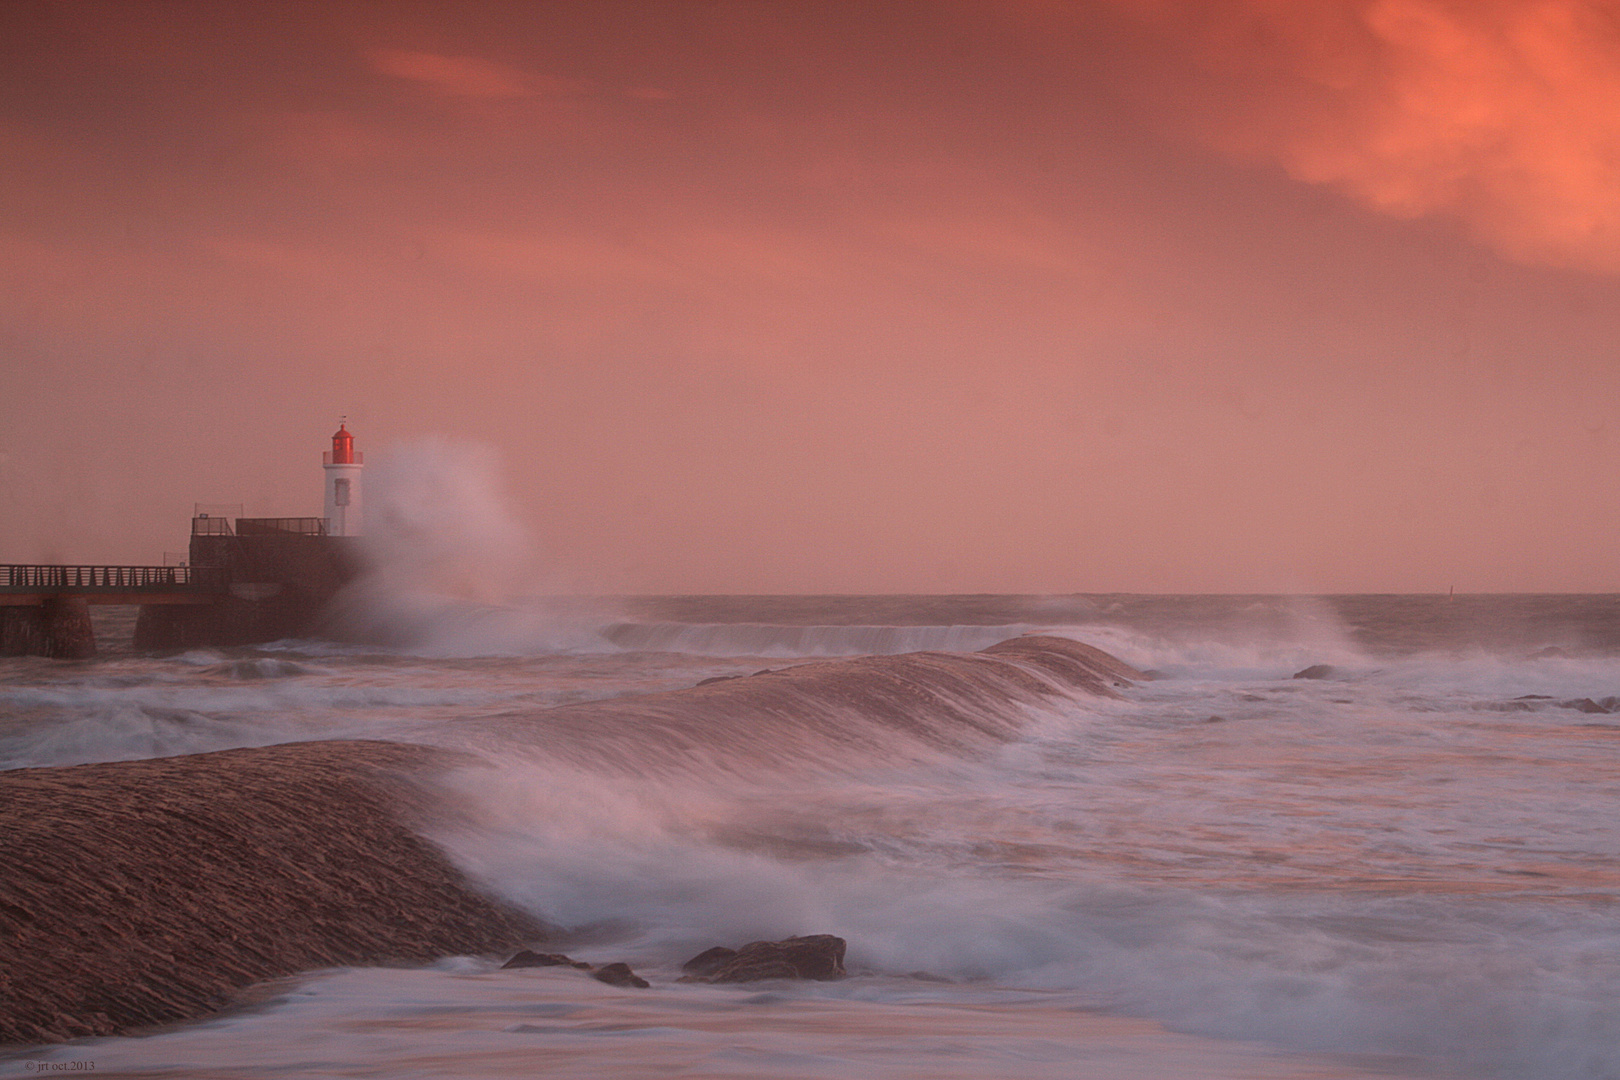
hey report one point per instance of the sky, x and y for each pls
(834, 297)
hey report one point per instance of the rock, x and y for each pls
(528, 959)
(755, 969)
(1216, 720)
(1317, 671)
(817, 956)
(1585, 704)
(619, 975)
(708, 961)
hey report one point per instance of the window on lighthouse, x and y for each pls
(340, 492)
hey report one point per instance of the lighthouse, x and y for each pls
(342, 464)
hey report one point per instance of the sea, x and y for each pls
(1325, 837)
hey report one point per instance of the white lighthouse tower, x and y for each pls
(342, 464)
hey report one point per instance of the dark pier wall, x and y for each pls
(59, 628)
(279, 585)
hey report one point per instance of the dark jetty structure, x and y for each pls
(138, 893)
(256, 580)
(274, 579)
(251, 581)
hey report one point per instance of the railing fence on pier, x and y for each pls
(18, 576)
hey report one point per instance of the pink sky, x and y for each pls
(1128, 295)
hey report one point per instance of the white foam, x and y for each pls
(784, 641)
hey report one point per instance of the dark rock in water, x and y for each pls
(1216, 720)
(817, 956)
(619, 975)
(137, 893)
(755, 969)
(528, 959)
(1533, 697)
(1317, 671)
(708, 961)
(1585, 705)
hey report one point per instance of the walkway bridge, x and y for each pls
(24, 585)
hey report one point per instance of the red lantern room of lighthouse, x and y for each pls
(342, 464)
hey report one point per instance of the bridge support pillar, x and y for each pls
(22, 631)
(58, 628)
(69, 634)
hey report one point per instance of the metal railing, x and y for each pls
(27, 578)
(203, 525)
(301, 526)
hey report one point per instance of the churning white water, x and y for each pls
(1408, 866)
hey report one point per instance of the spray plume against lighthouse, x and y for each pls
(343, 464)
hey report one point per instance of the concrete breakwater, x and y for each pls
(144, 892)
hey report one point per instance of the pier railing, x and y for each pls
(22, 578)
(301, 526)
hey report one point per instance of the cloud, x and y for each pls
(1498, 113)
(467, 76)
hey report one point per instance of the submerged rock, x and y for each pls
(619, 975)
(708, 961)
(816, 956)
(1317, 671)
(528, 959)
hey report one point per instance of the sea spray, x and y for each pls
(445, 558)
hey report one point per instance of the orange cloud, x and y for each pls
(1499, 113)
(467, 76)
